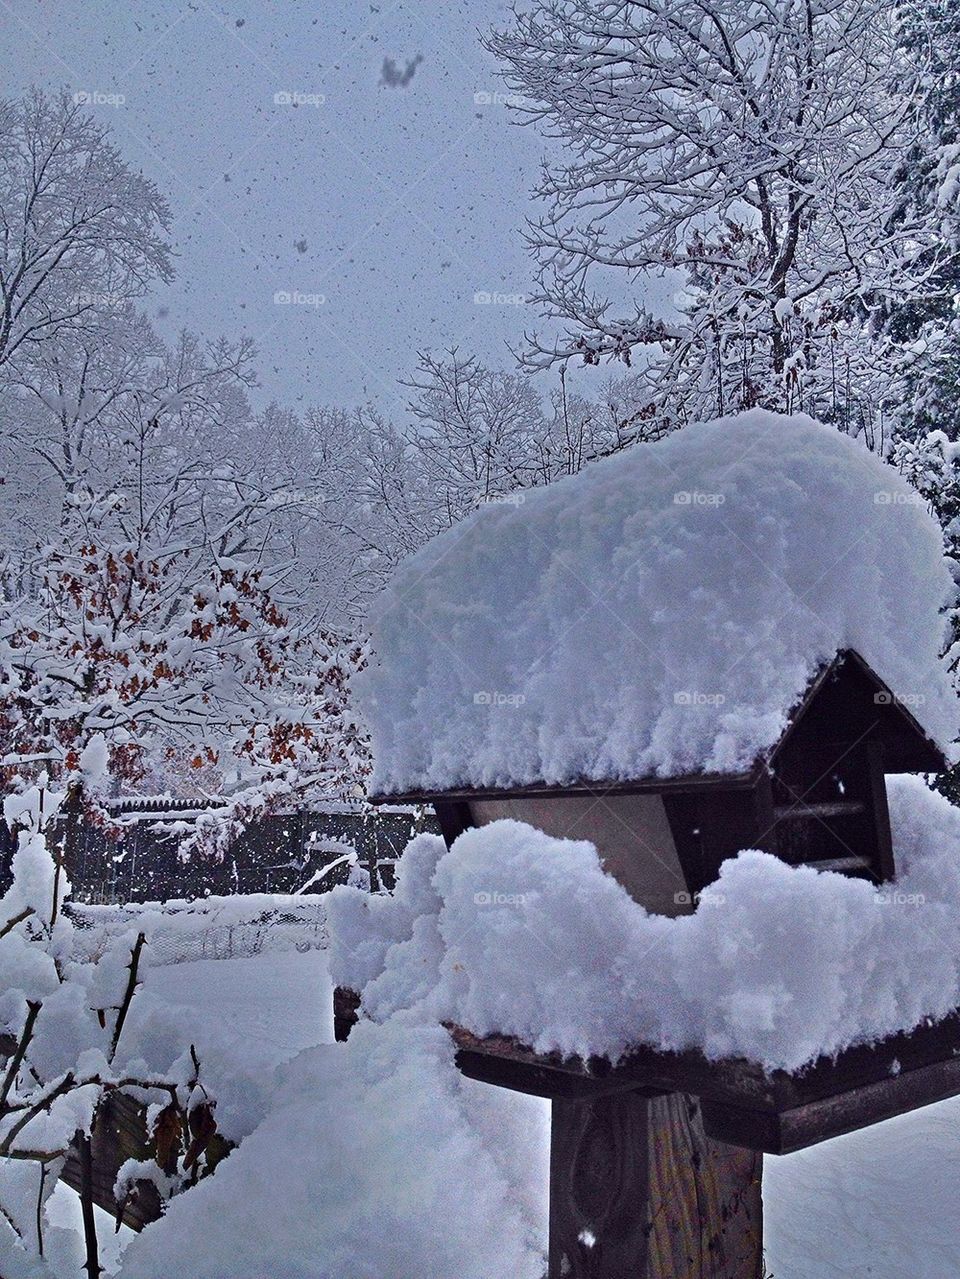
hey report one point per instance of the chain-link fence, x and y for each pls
(214, 928)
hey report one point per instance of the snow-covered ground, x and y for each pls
(375, 1159)
(355, 1169)
(880, 1203)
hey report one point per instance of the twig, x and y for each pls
(92, 1265)
(58, 867)
(17, 919)
(64, 1086)
(33, 1009)
(196, 1072)
(133, 1081)
(10, 1222)
(127, 994)
(35, 1156)
(43, 1179)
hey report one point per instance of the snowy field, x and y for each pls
(878, 1203)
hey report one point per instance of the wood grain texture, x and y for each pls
(119, 1134)
(638, 1191)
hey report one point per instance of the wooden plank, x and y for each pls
(454, 817)
(881, 811)
(796, 1128)
(775, 1112)
(599, 1188)
(638, 1191)
(764, 817)
(843, 865)
(119, 1134)
(346, 1012)
(538, 1080)
(710, 827)
(734, 1080)
(801, 811)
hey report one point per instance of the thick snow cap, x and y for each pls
(657, 615)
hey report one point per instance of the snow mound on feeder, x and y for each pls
(516, 932)
(659, 614)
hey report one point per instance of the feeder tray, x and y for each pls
(774, 1113)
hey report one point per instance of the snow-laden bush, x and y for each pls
(67, 1041)
(377, 1160)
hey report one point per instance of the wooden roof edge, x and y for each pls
(685, 781)
(930, 1041)
(904, 711)
(530, 790)
(600, 1069)
(827, 671)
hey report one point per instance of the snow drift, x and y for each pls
(658, 614)
(377, 1160)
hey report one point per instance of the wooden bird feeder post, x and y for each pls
(655, 1164)
(638, 1189)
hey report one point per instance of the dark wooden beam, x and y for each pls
(454, 817)
(599, 789)
(639, 1191)
(881, 812)
(346, 1012)
(775, 1112)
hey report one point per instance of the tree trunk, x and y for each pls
(637, 1191)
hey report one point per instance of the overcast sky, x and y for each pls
(394, 203)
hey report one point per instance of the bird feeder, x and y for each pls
(633, 1146)
(709, 647)
(817, 797)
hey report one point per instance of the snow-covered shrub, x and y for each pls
(129, 657)
(377, 1160)
(67, 1042)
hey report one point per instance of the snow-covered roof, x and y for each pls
(657, 615)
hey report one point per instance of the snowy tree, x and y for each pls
(171, 593)
(740, 155)
(114, 408)
(928, 182)
(470, 429)
(80, 233)
(472, 435)
(931, 462)
(152, 655)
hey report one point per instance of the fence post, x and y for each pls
(371, 827)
